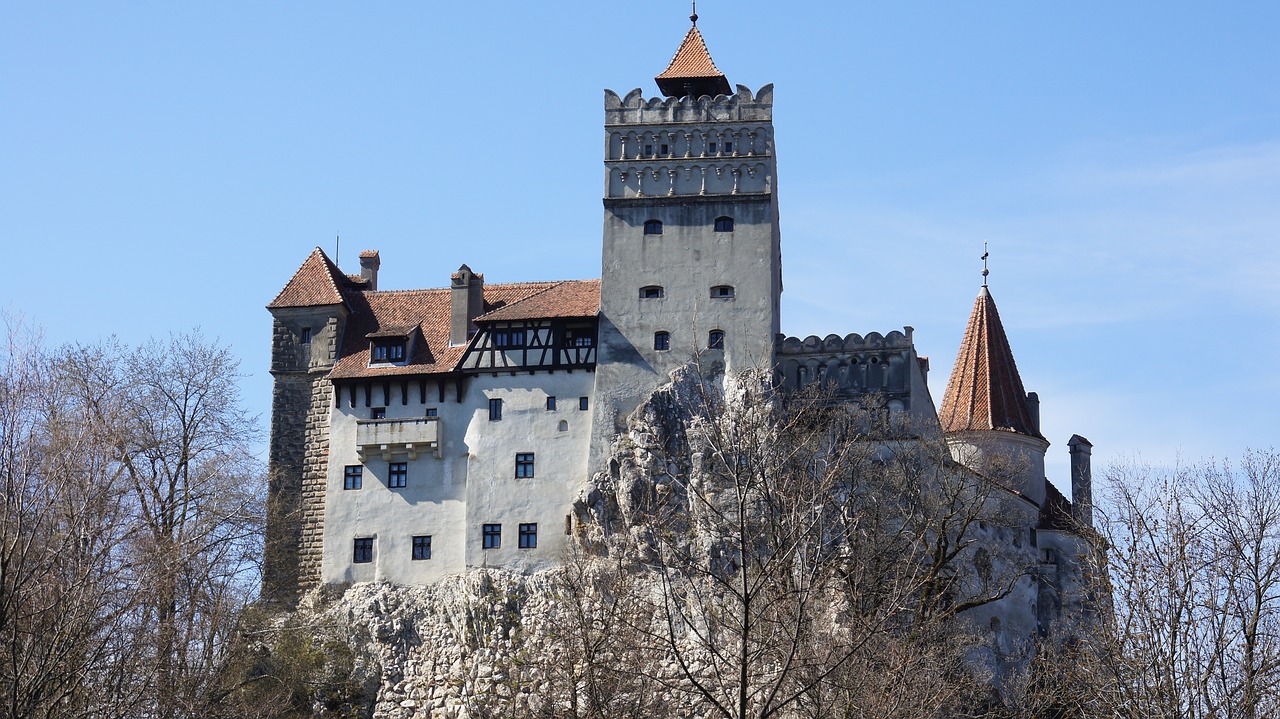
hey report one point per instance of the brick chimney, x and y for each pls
(369, 263)
(467, 303)
(1081, 480)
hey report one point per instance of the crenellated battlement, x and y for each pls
(854, 364)
(669, 147)
(741, 106)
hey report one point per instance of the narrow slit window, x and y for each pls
(306, 335)
(495, 409)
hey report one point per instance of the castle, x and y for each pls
(419, 433)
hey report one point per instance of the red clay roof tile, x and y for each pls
(985, 391)
(572, 298)
(373, 313)
(317, 282)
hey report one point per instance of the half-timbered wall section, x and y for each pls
(547, 345)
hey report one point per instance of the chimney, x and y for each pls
(1081, 480)
(1033, 409)
(369, 263)
(467, 303)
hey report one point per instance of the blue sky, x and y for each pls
(168, 165)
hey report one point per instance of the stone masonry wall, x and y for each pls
(298, 454)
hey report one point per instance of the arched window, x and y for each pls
(715, 340)
(651, 292)
(722, 292)
(653, 227)
(661, 341)
(724, 224)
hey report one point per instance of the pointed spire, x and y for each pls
(692, 72)
(985, 391)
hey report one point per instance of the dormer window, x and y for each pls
(651, 292)
(388, 350)
(653, 227)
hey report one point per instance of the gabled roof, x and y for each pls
(573, 298)
(985, 391)
(692, 71)
(396, 312)
(317, 282)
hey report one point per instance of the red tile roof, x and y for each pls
(376, 313)
(985, 391)
(573, 298)
(317, 282)
(691, 60)
(692, 71)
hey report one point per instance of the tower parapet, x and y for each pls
(689, 147)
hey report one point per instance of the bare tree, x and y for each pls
(791, 553)
(128, 526)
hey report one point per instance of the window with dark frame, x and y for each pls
(353, 476)
(495, 409)
(724, 224)
(651, 292)
(422, 547)
(306, 335)
(663, 149)
(728, 148)
(362, 550)
(398, 475)
(492, 536)
(711, 148)
(722, 292)
(551, 403)
(578, 337)
(392, 351)
(653, 227)
(583, 404)
(432, 412)
(661, 341)
(529, 536)
(524, 465)
(715, 340)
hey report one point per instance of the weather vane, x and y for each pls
(985, 255)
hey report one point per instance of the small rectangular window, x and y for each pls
(662, 150)
(492, 536)
(524, 465)
(651, 292)
(388, 351)
(378, 413)
(551, 403)
(398, 475)
(362, 551)
(728, 147)
(353, 476)
(661, 341)
(529, 536)
(495, 409)
(432, 412)
(306, 335)
(715, 340)
(422, 547)
(648, 150)
(583, 404)
(711, 148)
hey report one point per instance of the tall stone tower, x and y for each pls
(692, 261)
(308, 319)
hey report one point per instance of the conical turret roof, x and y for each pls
(692, 71)
(985, 391)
